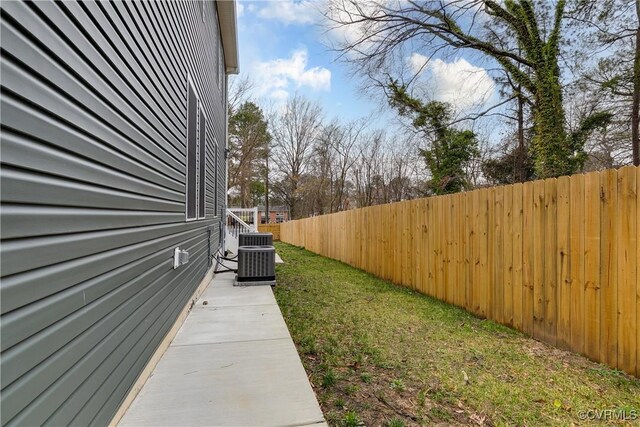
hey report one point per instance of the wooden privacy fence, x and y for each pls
(270, 228)
(555, 258)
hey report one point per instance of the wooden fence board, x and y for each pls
(475, 249)
(557, 259)
(449, 274)
(528, 258)
(517, 257)
(609, 267)
(418, 243)
(491, 249)
(468, 245)
(498, 255)
(483, 276)
(592, 265)
(431, 261)
(550, 267)
(461, 268)
(385, 223)
(637, 273)
(576, 255)
(411, 245)
(270, 228)
(439, 236)
(507, 255)
(425, 246)
(397, 219)
(627, 236)
(563, 273)
(540, 262)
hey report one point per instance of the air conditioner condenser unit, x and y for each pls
(255, 239)
(256, 266)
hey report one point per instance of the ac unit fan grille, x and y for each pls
(255, 239)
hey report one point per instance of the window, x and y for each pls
(202, 145)
(216, 210)
(192, 126)
(196, 170)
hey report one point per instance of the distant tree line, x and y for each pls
(314, 166)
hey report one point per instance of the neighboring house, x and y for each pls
(113, 138)
(277, 214)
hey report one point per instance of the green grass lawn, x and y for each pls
(379, 354)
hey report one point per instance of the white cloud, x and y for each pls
(279, 95)
(274, 77)
(290, 12)
(418, 62)
(459, 83)
(239, 9)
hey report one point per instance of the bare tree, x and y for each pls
(367, 169)
(400, 185)
(610, 31)
(294, 131)
(609, 146)
(342, 140)
(320, 180)
(239, 91)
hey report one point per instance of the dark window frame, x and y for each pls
(201, 183)
(196, 156)
(191, 211)
(217, 212)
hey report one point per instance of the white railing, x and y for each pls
(248, 215)
(239, 220)
(236, 225)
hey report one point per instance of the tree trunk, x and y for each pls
(635, 106)
(266, 194)
(552, 153)
(520, 156)
(293, 200)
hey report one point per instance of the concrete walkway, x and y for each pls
(232, 363)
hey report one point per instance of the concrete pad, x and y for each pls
(234, 384)
(232, 363)
(227, 324)
(229, 295)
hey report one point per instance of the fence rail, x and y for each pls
(555, 258)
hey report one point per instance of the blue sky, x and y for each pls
(281, 48)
